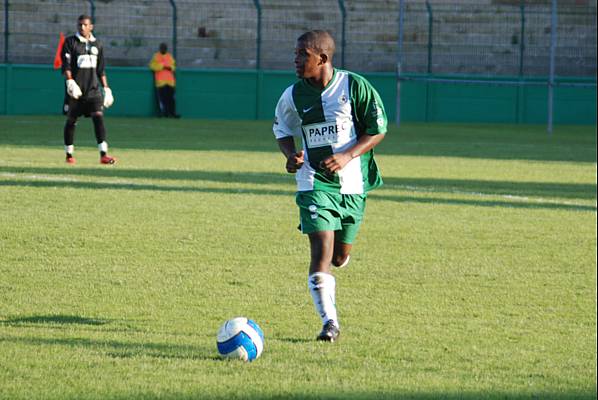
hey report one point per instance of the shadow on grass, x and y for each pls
(111, 348)
(67, 321)
(402, 199)
(538, 189)
(293, 340)
(429, 186)
(365, 395)
(55, 319)
(123, 349)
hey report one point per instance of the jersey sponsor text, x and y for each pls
(326, 133)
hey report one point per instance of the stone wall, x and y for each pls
(469, 37)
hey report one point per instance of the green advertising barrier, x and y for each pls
(497, 100)
(251, 94)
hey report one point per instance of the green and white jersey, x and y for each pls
(331, 121)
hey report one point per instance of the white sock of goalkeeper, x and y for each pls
(70, 149)
(103, 147)
(322, 287)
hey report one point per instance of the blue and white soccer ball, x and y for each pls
(240, 338)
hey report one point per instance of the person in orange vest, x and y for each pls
(163, 65)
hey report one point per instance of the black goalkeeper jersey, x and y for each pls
(85, 59)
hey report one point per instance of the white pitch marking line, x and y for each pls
(539, 200)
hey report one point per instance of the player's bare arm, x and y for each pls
(337, 161)
(294, 159)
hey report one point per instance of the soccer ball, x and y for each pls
(240, 338)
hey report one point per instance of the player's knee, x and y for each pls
(97, 114)
(339, 259)
(71, 122)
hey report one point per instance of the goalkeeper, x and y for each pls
(83, 67)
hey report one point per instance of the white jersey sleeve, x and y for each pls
(286, 121)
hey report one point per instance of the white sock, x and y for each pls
(103, 147)
(69, 149)
(322, 288)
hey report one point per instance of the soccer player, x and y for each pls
(83, 68)
(340, 119)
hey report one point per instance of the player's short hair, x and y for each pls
(320, 41)
(83, 17)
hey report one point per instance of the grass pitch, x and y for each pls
(474, 274)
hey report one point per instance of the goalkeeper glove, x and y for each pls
(108, 98)
(73, 89)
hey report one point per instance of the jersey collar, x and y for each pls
(334, 76)
(82, 39)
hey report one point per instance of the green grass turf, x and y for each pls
(474, 274)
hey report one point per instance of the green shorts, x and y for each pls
(323, 211)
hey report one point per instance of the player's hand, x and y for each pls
(73, 89)
(335, 162)
(108, 98)
(294, 162)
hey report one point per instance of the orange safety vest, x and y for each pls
(163, 76)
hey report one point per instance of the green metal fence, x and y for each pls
(485, 37)
(523, 40)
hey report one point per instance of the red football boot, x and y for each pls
(107, 160)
